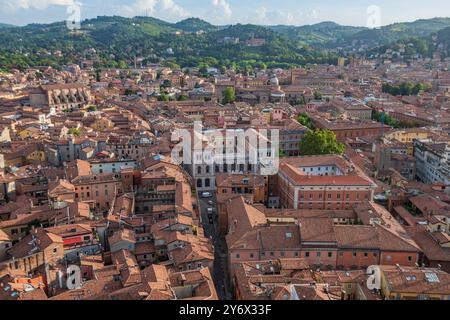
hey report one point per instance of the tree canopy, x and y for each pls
(229, 95)
(74, 131)
(390, 121)
(317, 96)
(305, 120)
(405, 88)
(320, 142)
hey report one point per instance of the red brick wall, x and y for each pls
(347, 258)
(399, 257)
(348, 133)
(337, 199)
(245, 255)
(323, 259)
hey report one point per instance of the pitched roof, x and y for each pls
(417, 281)
(122, 235)
(317, 230)
(37, 241)
(4, 236)
(60, 187)
(274, 237)
(373, 237)
(428, 204)
(429, 244)
(241, 218)
(70, 230)
(193, 251)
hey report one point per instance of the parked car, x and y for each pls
(206, 195)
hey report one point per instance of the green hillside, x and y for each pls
(119, 41)
(321, 34)
(195, 25)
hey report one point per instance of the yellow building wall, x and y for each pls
(37, 156)
(25, 134)
(102, 124)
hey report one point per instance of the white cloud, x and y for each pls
(165, 9)
(274, 17)
(261, 14)
(222, 8)
(12, 5)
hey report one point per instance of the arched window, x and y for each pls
(199, 183)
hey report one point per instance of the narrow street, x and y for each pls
(220, 272)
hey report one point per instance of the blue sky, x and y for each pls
(268, 12)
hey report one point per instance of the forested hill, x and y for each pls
(321, 34)
(330, 34)
(443, 36)
(119, 41)
(4, 25)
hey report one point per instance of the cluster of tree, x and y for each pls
(304, 119)
(317, 96)
(408, 48)
(74, 131)
(163, 97)
(390, 121)
(406, 88)
(229, 95)
(444, 36)
(385, 118)
(320, 34)
(320, 142)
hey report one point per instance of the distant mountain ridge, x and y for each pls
(5, 25)
(325, 33)
(331, 34)
(396, 31)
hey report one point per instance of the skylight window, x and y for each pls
(431, 277)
